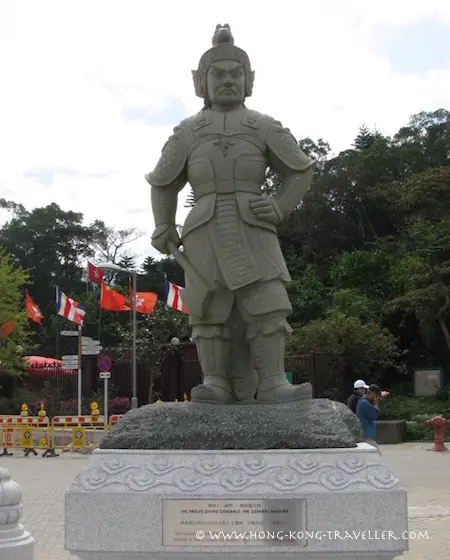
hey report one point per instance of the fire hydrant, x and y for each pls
(438, 423)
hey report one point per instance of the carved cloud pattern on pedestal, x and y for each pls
(187, 474)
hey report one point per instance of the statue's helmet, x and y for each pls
(223, 49)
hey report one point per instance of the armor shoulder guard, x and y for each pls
(282, 144)
(173, 158)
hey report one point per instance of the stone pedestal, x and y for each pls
(15, 542)
(313, 504)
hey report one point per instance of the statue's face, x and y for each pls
(226, 83)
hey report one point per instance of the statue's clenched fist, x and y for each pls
(265, 208)
(162, 235)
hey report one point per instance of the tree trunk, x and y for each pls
(443, 311)
(150, 388)
(444, 328)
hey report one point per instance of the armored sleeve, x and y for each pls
(293, 166)
(284, 152)
(171, 162)
(168, 178)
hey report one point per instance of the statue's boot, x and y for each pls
(214, 354)
(268, 356)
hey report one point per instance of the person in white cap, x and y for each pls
(359, 390)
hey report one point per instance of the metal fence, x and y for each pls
(63, 380)
(180, 372)
(66, 382)
(176, 374)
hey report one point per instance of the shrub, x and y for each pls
(443, 394)
(416, 411)
(12, 406)
(119, 405)
(396, 407)
(69, 407)
(9, 407)
(54, 405)
(418, 431)
(354, 344)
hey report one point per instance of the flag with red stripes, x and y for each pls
(173, 297)
(69, 308)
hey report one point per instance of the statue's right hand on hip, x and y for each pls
(266, 208)
(162, 235)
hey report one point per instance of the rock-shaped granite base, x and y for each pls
(309, 424)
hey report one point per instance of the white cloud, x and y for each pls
(71, 70)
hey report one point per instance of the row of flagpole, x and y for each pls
(110, 300)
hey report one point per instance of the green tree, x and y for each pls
(53, 245)
(13, 280)
(366, 138)
(353, 303)
(421, 279)
(425, 195)
(424, 142)
(362, 347)
(154, 334)
(154, 331)
(364, 271)
(309, 296)
(153, 275)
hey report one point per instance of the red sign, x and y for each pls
(104, 363)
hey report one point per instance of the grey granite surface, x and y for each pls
(309, 424)
(348, 493)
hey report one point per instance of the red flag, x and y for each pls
(145, 302)
(95, 274)
(33, 311)
(7, 327)
(112, 300)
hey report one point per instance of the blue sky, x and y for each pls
(418, 48)
(411, 49)
(172, 113)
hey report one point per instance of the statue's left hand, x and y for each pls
(266, 208)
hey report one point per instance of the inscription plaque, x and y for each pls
(427, 382)
(234, 522)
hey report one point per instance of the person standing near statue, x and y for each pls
(235, 272)
(359, 390)
(368, 412)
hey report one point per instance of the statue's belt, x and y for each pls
(226, 187)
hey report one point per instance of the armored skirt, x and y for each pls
(238, 254)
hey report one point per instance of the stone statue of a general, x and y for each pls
(235, 272)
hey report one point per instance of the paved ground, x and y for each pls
(425, 475)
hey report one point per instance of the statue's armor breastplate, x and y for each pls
(226, 160)
(226, 153)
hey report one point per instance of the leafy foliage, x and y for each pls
(13, 345)
(309, 297)
(353, 343)
(154, 331)
(416, 409)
